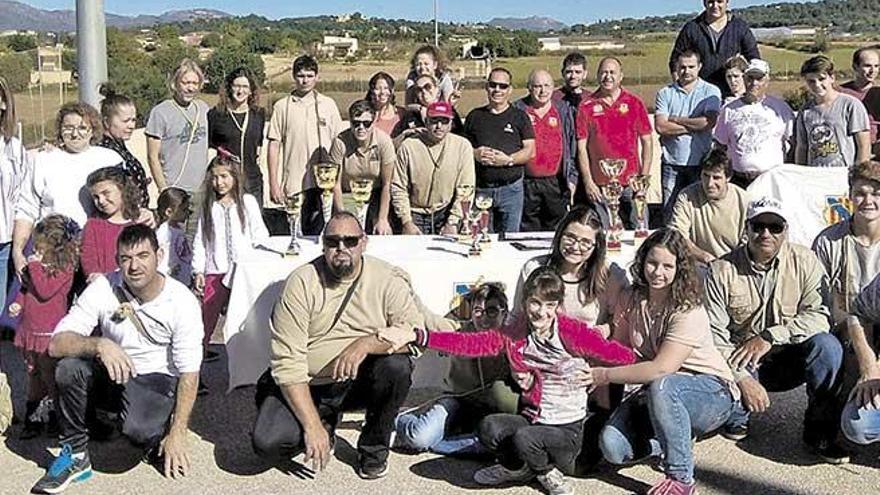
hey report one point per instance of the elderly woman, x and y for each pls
(363, 153)
(381, 96)
(119, 117)
(57, 181)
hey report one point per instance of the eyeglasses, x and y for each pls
(583, 244)
(438, 120)
(361, 123)
(349, 241)
(497, 85)
(491, 312)
(774, 228)
(81, 129)
(426, 87)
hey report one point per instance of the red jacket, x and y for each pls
(579, 339)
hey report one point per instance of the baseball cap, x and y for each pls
(756, 65)
(765, 205)
(440, 109)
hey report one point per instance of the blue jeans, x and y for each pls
(428, 429)
(507, 206)
(663, 418)
(859, 425)
(817, 362)
(674, 178)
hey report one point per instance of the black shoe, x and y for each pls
(735, 432)
(829, 451)
(32, 429)
(371, 469)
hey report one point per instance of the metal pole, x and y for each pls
(436, 30)
(91, 49)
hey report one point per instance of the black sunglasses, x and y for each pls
(349, 241)
(773, 227)
(361, 123)
(438, 120)
(498, 85)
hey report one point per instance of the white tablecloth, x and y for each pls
(437, 267)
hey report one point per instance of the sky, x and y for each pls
(567, 11)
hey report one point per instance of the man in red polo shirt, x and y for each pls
(612, 123)
(551, 175)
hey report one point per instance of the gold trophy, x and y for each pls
(640, 185)
(612, 168)
(325, 177)
(361, 190)
(293, 207)
(484, 204)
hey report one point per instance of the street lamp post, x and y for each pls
(436, 30)
(91, 49)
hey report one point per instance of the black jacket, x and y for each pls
(737, 38)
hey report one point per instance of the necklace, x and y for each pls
(242, 129)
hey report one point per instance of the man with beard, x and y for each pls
(326, 356)
(685, 113)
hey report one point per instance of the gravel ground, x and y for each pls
(771, 461)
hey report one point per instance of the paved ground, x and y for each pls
(771, 461)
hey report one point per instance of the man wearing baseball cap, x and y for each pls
(756, 127)
(429, 170)
(769, 319)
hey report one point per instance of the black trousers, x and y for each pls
(144, 403)
(545, 202)
(381, 386)
(516, 441)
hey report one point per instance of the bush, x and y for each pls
(16, 68)
(211, 40)
(796, 98)
(21, 42)
(228, 57)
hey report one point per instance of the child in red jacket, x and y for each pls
(117, 201)
(548, 354)
(42, 302)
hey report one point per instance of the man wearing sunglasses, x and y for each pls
(503, 141)
(429, 170)
(326, 357)
(766, 306)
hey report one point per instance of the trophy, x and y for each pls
(465, 195)
(361, 190)
(484, 204)
(293, 207)
(640, 185)
(325, 177)
(612, 168)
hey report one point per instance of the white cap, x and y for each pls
(759, 66)
(765, 205)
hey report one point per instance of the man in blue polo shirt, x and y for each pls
(684, 115)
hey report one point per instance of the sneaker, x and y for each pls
(735, 432)
(65, 469)
(554, 483)
(829, 451)
(669, 486)
(371, 469)
(500, 475)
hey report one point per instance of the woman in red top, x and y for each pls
(42, 302)
(117, 201)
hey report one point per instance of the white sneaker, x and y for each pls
(500, 475)
(555, 483)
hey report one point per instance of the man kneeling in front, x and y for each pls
(145, 365)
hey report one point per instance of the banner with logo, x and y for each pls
(812, 197)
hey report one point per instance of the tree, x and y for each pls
(211, 40)
(21, 42)
(16, 68)
(228, 57)
(263, 41)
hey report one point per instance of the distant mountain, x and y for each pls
(17, 15)
(534, 23)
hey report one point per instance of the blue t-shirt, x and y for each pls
(704, 98)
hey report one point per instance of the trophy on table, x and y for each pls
(361, 190)
(612, 168)
(484, 204)
(293, 207)
(470, 219)
(325, 177)
(640, 185)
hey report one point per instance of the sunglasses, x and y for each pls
(349, 241)
(361, 123)
(439, 120)
(773, 227)
(497, 85)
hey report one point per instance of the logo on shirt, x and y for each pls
(597, 109)
(508, 128)
(553, 122)
(624, 108)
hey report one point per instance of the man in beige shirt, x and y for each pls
(769, 319)
(301, 132)
(711, 214)
(325, 354)
(429, 171)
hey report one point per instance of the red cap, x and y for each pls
(440, 109)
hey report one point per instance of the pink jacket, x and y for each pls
(579, 339)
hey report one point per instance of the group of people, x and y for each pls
(588, 360)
